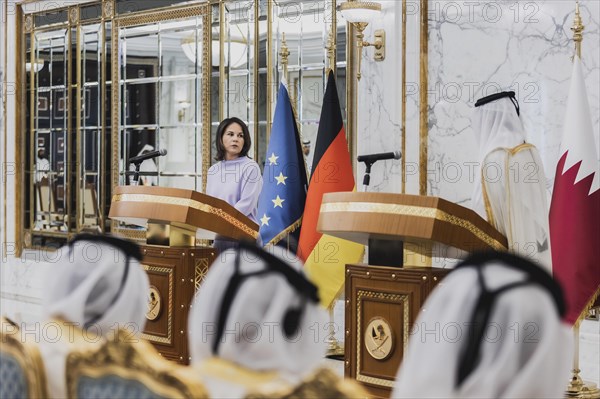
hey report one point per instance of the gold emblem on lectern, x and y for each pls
(378, 338)
(154, 304)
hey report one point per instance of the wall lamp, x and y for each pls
(183, 106)
(360, 13)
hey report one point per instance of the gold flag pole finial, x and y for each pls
(284, 53)
(577, 29)
(330, 51)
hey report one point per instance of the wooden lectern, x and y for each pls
(383, 298)
(174, 219)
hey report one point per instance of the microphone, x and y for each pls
(148, 155)
(369, 159)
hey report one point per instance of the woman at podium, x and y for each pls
(235, 178)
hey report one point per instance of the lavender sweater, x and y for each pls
(238, 182)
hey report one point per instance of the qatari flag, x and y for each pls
(575, 207)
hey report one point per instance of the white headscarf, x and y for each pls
(515, 183)
(526, 351)
(253, 335)
(495, 125)
(97, 281)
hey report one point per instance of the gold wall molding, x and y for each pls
(401, 299)
(169, 338)
(403, 106)
(423, 104)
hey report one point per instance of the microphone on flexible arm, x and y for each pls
(148, 155)
(369, 160)
(137, 161)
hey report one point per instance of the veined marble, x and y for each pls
(476, 49)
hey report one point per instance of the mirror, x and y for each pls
(48, 90)
(160, 91)
(93, 140)
(105, 83)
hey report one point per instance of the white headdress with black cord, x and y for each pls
(512, 196)
(98, 283)
(257, 310)
(492, 330)
(496, 124)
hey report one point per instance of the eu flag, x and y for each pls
(281, 201)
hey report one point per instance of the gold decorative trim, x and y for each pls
(27, 355)
(271, 88)
(169, 338)
(206, 78)
(135, 235)
(403, 95)
(401, 299)
(200, 271)
(520, 147)
(115, 114)
(103, 111)
(108, 9)
(80, 178)
(74, 15)
(160, 199)
(154, 16)
(408, 210)
(132, 359)
(28, 23)
(255, 79)
(361, 5)
(423, 103)
(351, 95)
(4, 124)
(20, 237)
(486, 199)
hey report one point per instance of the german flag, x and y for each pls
(325, 256)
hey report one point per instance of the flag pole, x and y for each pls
(577, 388)
(334, 349)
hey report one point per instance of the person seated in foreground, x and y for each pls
(492, 329)
(95, 287)
(255, 324)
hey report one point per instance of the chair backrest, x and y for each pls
(127, 366)
(323, 383)
(90, 205)
(46, 197)
(21, 368)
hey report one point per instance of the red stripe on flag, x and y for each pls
(333, 173)
(575, 238)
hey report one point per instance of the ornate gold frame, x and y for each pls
(401, 299)
(109, 16)
(28, 356)
(423, 112)
(146, 17)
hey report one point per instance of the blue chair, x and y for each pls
(129, 367)
(22, 372)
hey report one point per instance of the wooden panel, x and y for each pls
(175, 273)
(187, 209)
(391, 294)
(411, 218)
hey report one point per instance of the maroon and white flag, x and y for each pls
(575, 207)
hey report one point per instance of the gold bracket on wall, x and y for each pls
(379, 45)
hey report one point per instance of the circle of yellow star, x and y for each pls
(278, 202)
(281, 178)
(265, 220)
(272, 159)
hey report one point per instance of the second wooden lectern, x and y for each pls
(174, 219)
(383, 298)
